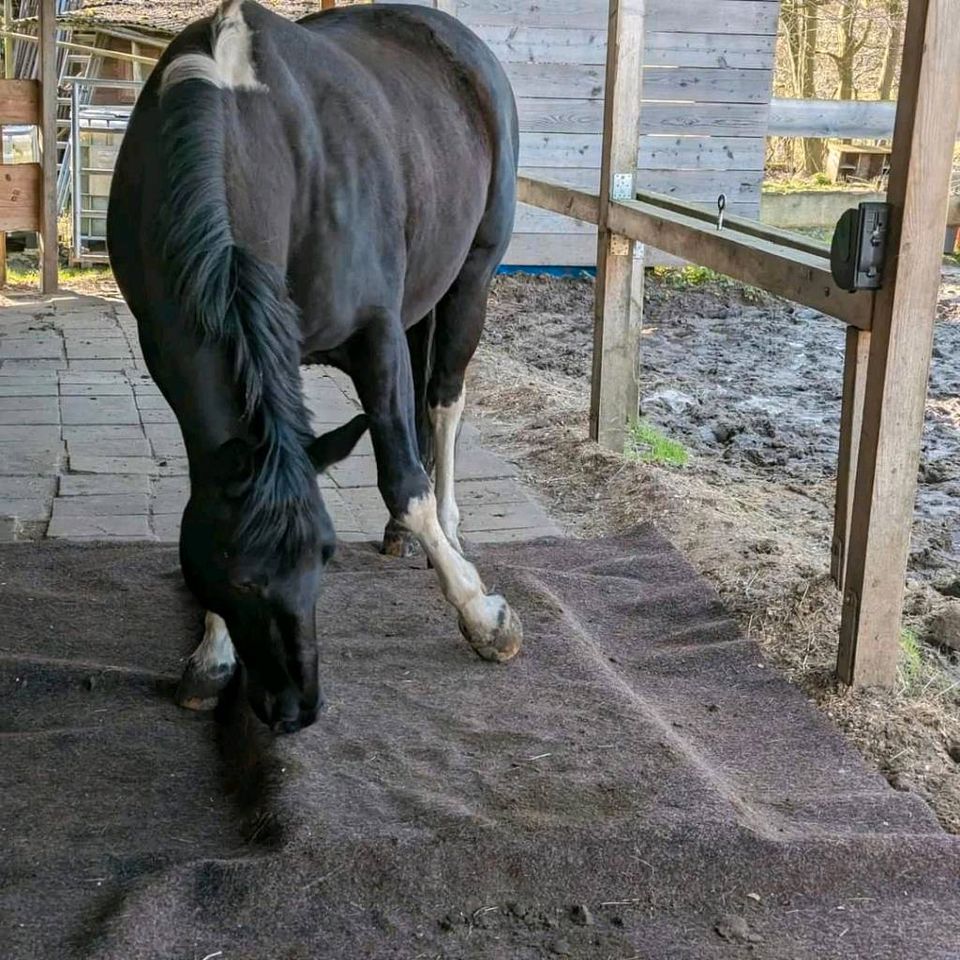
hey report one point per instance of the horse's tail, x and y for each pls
(232, 297)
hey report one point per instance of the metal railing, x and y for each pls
(85, 117)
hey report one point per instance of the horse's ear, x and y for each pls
(233, 465)
(332, 447)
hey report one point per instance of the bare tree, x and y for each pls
(891, 55)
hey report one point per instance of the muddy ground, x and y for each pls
(751, 387)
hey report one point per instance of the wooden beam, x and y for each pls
(19, 102)
(614, 391)
(740, 225)
(928, 113)
(856, 357)
(784, 270)
(837, 119)
(550, 195)
(20, 190)
(49, 258)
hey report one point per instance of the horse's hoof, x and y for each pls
(399, 544)
(200, 689)
(491, 627)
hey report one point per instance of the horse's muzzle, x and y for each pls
(287, 712)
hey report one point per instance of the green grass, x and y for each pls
(818, 182)
(649, 445)
(30, 276)
(689, 276)
(911, 658)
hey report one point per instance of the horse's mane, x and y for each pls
(241, 304)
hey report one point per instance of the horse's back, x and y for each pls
(406, 123)
(367, 150)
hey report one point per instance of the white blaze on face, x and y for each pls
(231, 66)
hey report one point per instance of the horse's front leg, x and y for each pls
(209, 668)
(386, 391)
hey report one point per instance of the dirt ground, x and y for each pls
(750, 386)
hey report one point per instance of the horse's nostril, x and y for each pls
(285, 726)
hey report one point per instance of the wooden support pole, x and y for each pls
(614, 392)
(900, 345)
(856, 356)
(49, 254)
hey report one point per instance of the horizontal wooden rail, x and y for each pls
(752, 228)
(841, 119)
(559, 198)
(785, 271)
(774, 260)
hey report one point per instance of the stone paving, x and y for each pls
(89, 449)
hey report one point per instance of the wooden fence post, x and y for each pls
(49, 253)
(855, 360)
(900, 345)
(616, 332)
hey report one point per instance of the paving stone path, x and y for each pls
(89, 449)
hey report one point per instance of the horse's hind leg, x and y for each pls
(385, 385)
(209, 668)
(460, 318)
(397, 540)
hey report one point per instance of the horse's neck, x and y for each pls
(199, 385)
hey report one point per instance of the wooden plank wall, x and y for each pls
(706, 91)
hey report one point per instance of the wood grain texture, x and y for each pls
(668, 48)
(735, 220)
(757, 17)
(694, 185)
(786, 271)
(855, 360)
(701, 153)
(20, 188)
(524, 43)
(562, 115)
(19, 102)
(707, 84)
(559, 198)
(585, 81)
(614, 388)
(655, 153)
(928, 114)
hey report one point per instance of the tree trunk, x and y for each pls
(891, 55)
(813, 150)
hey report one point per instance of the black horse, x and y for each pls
(338, 190)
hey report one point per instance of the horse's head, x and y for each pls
(266, 596)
